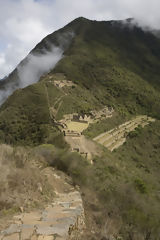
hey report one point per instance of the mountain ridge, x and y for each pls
(53, 37)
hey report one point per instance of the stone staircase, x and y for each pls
(62, 219)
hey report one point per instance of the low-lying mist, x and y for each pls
(35, 65)
(29, 72)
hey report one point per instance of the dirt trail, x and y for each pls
(116, 137)
(52, 110)
(62, 219)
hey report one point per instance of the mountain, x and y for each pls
(113, 64)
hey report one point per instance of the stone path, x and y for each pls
(116, 137)
(63, 219)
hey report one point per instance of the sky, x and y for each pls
(23, 23)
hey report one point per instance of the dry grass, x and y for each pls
(22, 183)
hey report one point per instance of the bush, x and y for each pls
(136, 132)
(140, 186)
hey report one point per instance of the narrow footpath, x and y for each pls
(62, 219)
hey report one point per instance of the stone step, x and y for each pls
(57, 219)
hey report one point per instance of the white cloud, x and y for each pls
(22, 26)
(27, 31)
(23, 23)
(37, 65)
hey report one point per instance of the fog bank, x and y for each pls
(31, 69)
(37, 65)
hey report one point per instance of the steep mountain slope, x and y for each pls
(112, 64)
(121, 61)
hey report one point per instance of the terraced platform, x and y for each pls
(117, 136)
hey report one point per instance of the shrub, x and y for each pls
(140, 186)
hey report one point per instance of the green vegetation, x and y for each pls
(137, 132)
(25, 117)
(120, 188)
(105, 125)
(111, 65)
(25, 120)
(120, 66)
